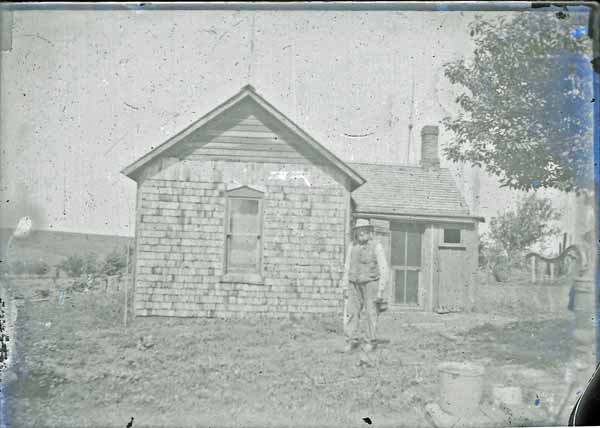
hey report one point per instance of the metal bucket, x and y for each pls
(461, 388)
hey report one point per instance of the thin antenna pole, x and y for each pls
(411, 118)
(294, 100)
(250, 77)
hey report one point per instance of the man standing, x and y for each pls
(364, 280)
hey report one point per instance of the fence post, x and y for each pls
(533, 269)
(551, 271)
(126, 287)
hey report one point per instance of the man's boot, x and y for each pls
(351, 345)
(369, 346)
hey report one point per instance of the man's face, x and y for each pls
(363, 235)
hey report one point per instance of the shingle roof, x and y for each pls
(412, 190)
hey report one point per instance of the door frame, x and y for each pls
(420, 229)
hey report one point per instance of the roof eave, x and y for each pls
(460, 218)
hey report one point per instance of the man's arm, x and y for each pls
(383, 268)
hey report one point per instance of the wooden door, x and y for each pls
(453, 279)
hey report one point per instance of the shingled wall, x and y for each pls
(181, 243)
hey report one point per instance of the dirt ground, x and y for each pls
(79, 367)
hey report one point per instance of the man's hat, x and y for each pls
(363, 223)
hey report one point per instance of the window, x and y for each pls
(406, 263)
(243, 249)
(451, 236)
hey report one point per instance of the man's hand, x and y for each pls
(380, 290)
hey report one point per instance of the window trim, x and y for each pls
(255, 276)
(457, 245)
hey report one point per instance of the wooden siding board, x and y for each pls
(257, 145)
(242, 141)
(261, 133)
(239, 137)
(246, 152)
(255, 158)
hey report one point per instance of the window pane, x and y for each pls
(413, 256)
(243, 252)
(398, 248)
(243, 216)
(452, 236)
(399, 286)
(412, 287)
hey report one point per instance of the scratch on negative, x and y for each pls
(38, 37)
(359, 135)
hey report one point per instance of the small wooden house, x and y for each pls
(423, 221)
(244, 212)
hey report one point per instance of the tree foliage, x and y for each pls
(531, 221)
(526, 108)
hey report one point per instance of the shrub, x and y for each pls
(73, 266)
(38, 267)
(90, 264)
(483, 253)
(499, 262)
(77, 265)
(115, 263)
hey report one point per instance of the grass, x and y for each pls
(79, 367)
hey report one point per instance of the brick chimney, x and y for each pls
(429, 147)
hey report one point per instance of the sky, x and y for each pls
(85, 93)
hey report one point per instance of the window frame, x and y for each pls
(444, 244)
(240, 275)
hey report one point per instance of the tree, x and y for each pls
(531, 221)
(527, 101)
(528, 119)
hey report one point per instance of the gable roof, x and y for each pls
(247, 93)
(410, 191)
